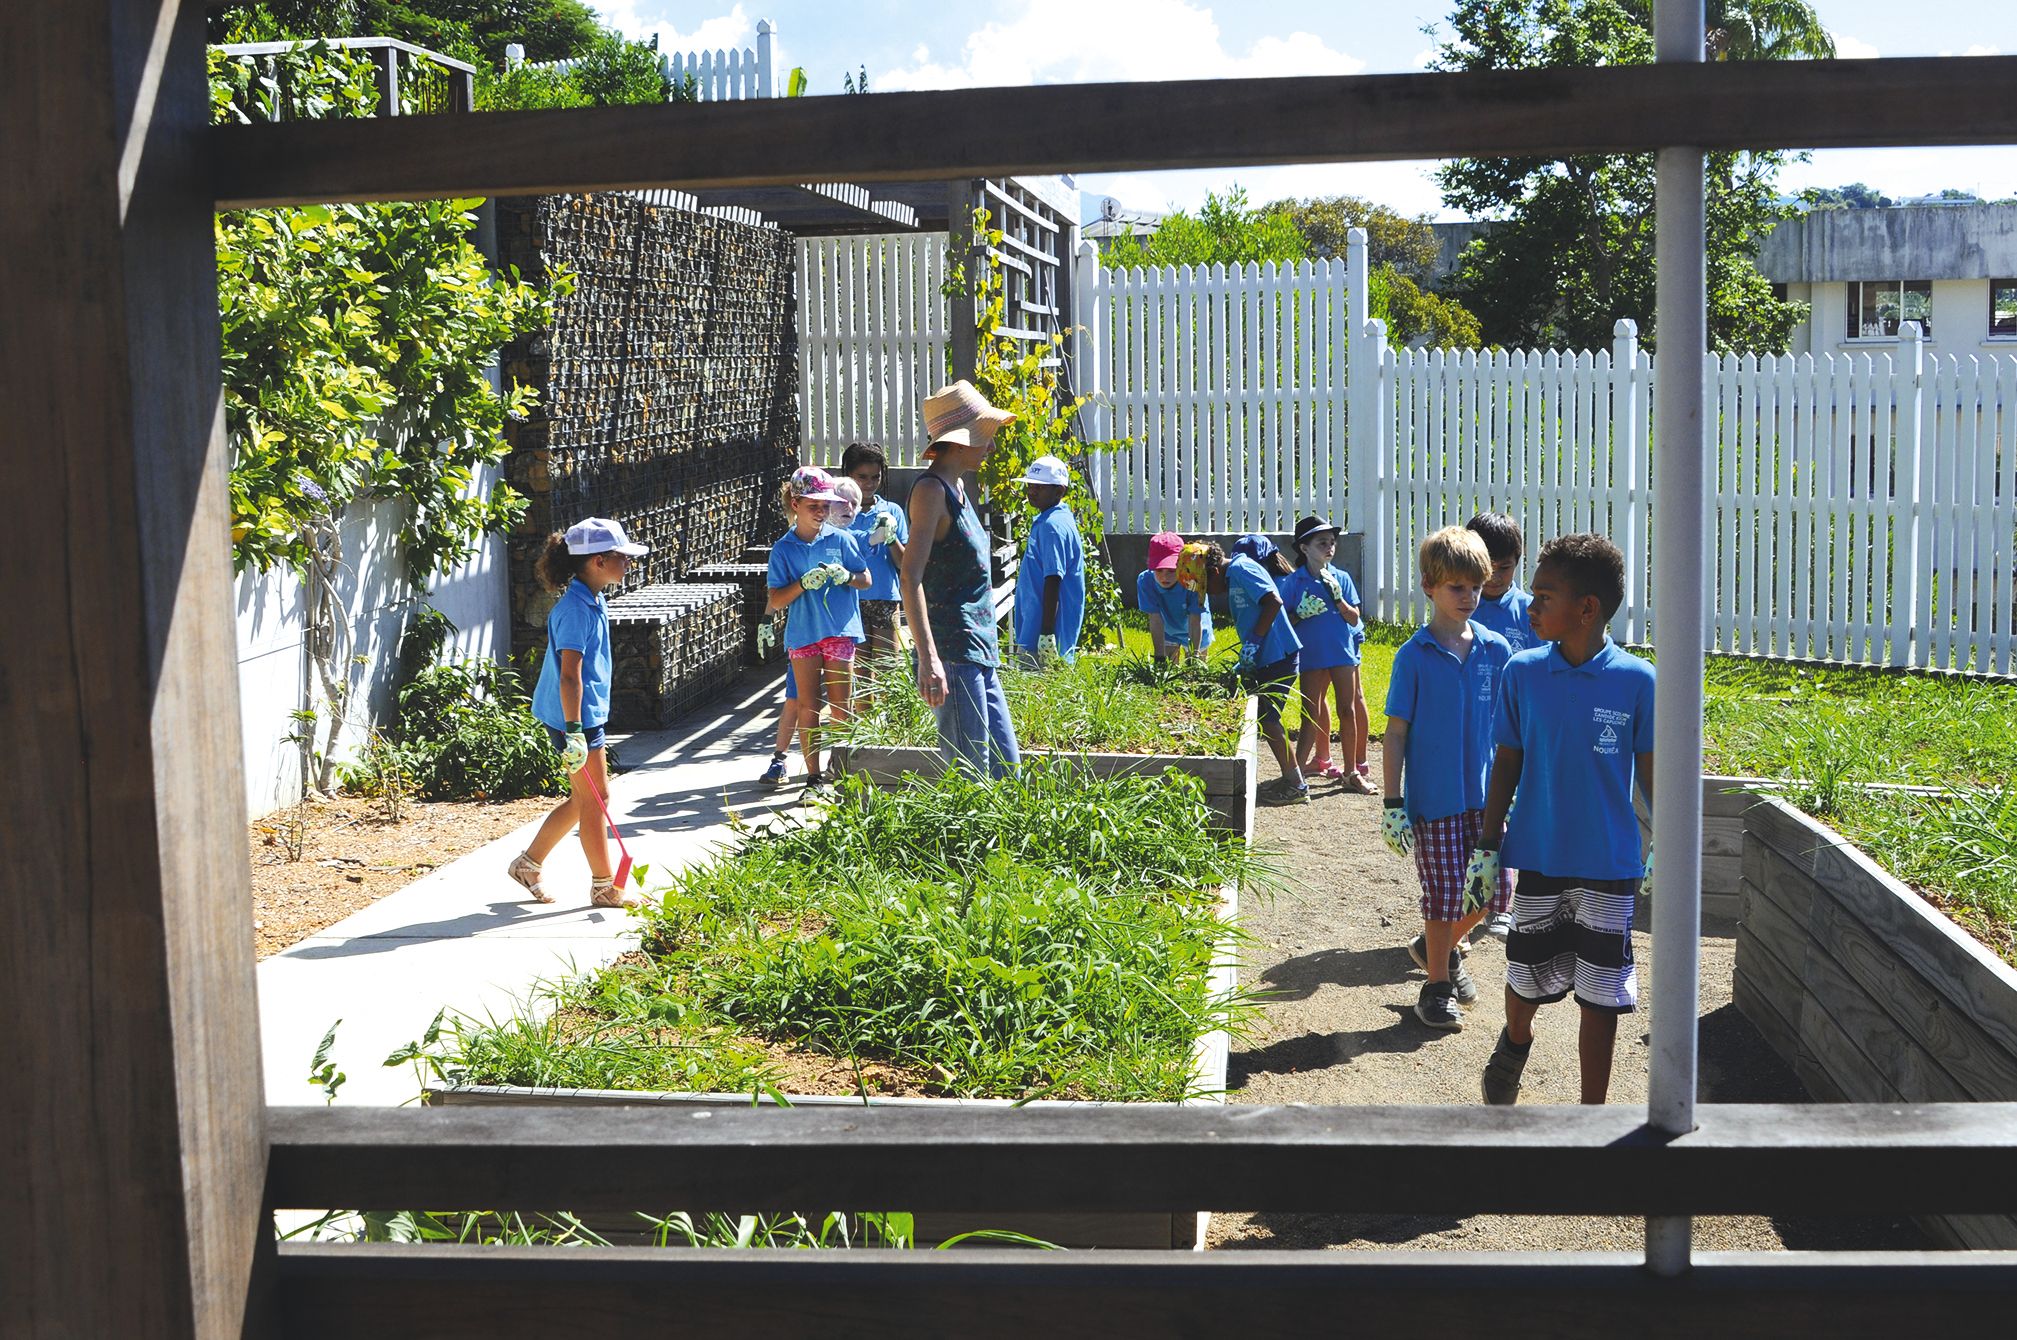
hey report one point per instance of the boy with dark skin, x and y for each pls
(1582, 706)
(1043, 497)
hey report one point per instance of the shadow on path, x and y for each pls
(1300, 977)
(1320, 1051)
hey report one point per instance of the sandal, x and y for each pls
(1332, 771)
(526, 871)
(604, 893)
(1360, 785)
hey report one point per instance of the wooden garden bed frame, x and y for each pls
(141, 1163)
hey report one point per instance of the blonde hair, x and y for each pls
(1454, 554)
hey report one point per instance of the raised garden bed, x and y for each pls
(1102, 714)
(1868, 990)
(1059, 938)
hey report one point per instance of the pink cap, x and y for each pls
(813, 484)
(1164, 548)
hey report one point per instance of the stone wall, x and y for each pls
(668, 384)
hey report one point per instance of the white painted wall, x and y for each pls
(273, 671)
(1960, 321)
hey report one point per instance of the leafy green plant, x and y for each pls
(322, 1071)
(384, 771)
(1226, 230)
(467, 732)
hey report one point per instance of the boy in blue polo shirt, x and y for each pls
(1051, 579)
(1503, 607)
(1435, 758)
(1575, 729)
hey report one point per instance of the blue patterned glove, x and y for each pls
(1249, 654)
(1397, 830)
(1481, 879)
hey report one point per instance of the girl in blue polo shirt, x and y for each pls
(882, 529)
(1323, 602)
(1178, 619)
(816, 574)
(572, 699)
(1268, 643)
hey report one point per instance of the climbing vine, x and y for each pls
(1013, 375)
(358, 342)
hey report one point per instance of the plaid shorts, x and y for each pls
(1573, 934)
(1442, 850)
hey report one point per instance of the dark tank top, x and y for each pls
(958, 597)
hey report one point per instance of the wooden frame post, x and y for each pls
(133, 1167)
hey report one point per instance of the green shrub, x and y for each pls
(469, 731)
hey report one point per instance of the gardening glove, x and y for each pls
(1047, 648)
(1646, 880)
(837, 575)
(1396, 829)
(574, 757)
(1481, 879)
(1249, 655)
(814, 578)
(1331, 585)
(884, 529)
(1310, 606)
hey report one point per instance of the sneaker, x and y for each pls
(774, 774)
(1437, 1007)
(1502, 1072)
(1460, 979)
(817, 784)
(1499, 925)
(1418, 951)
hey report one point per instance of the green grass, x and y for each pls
(1376, 665)
(1105, 703)
(1961, 849)
(1045, 936)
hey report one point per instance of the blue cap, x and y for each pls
(1256, 547)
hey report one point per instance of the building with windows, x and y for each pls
(1951, 268)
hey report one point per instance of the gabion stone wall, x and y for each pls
(674, 647)
(668, 384)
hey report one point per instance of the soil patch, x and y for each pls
(318, 862)
(1340, 1029)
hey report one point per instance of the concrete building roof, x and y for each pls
(1920, 242)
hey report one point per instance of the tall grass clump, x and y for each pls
(1050, 935)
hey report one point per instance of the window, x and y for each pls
(1878, 307)
(2003, 308)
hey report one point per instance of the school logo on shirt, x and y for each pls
(1485, 684)
(1610, 719)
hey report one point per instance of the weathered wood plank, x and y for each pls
(1742, 1159)
(133, 1159)
(1969, 977)
(481, 1292)
(993, 132)
(1767, 988)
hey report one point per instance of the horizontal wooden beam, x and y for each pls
(1743, 1159)
(991, 132)
(482, 1292)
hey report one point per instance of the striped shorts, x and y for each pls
(1442, 850)
(1573, 934)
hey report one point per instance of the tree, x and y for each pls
(1853, 196)
(1757, 29)
(1226, 231)
(1392, 238)
(1573, 251)
(549, 29)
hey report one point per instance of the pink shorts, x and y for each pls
(827, 648)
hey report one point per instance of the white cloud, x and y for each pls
(1070, 42)
(636, 19)
(1977, 49)
(1850, 48)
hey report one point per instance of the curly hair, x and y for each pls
(1591, 565)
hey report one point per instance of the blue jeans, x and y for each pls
(973, 724)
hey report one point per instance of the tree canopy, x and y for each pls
(1573, 249)
(549, 29)
(1225, 231)
(1392, 238)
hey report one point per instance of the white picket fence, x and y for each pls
(1863, 506)
(872, 331)
(717, 75)
(1230, 386)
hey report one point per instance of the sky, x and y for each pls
(910, 44)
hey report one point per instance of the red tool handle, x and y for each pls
(623, 866)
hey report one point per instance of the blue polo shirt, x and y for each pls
(1248, 584)
(881, 568)
(1580, 728)
(1328, 640)
(1052, 550)
(579, 621)
(1448, 705)
(830, 611)
(1507, 616)
(1176, 605)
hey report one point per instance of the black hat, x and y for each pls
(1310, 527)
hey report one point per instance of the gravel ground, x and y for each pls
(1340, 1029)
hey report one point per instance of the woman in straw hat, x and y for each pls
(948, 597)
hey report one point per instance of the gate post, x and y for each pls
(1909, 590)
(1359, 376)
(1625, 442)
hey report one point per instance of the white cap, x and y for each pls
(598, 536)
(1047, 470)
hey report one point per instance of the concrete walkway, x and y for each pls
(466, 937)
